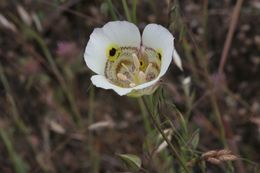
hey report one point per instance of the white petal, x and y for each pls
(95, 52)
(177, 60)
(159, 38)
(120, 33)
(123, 33)
(147, 84)
(101, 82)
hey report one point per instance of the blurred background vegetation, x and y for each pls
(53, 120)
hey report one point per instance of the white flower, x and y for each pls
(126, 62)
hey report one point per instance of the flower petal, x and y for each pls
(101, 82)
(95, 52)
(160, 39)
(120, 33)
(123, 33)
(147, 84)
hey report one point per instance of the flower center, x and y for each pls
(129, 66)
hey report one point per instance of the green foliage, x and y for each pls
(132, 162)
(194, 140)
(18, 163)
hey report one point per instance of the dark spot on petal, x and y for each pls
(112, 52)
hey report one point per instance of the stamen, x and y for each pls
(148, 69)
(134, 67)
(141, 76)
(121, 76)
(132, 85)
(127, 69)
(136, 61)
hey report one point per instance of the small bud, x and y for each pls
(224, 152)
(229, 157)
(177, 60)
(213, 161)
(209, 154)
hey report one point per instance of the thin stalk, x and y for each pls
(14, 110)
(219, 119)
(213, 100)
(147, 125)
(111, 9)
(92, 152)
(134, 6)
(18, 164)
(91, 104)
(61, 80)
(172, 148)
(215, 106)
(149, 130)
(230, 35)
(205, 24)
(126, 9)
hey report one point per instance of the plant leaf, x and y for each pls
(195, 139)
(132, 162)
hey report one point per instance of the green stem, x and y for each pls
(147, 125)
(173, 149)
(219, 119)
(17, 161)
(68, 93)
(126, 9)
(111, 9)
(14, 110)
(94, 155)
(134, 11)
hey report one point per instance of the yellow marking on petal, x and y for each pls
(113, 52)
(143, 64)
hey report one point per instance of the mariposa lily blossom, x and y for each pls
(125, 61)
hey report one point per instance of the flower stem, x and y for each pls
(13, 105)
(172, 148)
(145, 115)
(126, 9)
(111, 10)
(134, 11)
